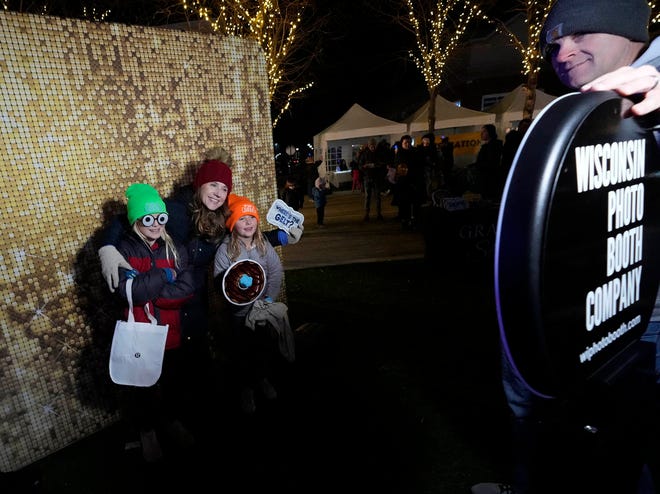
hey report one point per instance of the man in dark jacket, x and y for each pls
(373, 175)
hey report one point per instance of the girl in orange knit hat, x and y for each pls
(252, 348)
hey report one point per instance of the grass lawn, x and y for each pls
(395, 389)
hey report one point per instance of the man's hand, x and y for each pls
(111, 261)
(295, 233)
(628, 81)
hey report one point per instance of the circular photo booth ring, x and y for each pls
(243, 282)
(576, 268)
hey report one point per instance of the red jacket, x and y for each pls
(151, 287)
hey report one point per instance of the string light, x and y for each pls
(536, 13)
(93, 15)
(274, 30)
(655, 13)
(289, 98)
(438, 34)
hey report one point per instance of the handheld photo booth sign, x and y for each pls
(284, 216)
(576, 269)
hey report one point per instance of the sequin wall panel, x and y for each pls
(87, 109)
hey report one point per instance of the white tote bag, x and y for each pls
(136, 354)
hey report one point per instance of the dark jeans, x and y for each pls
(372, 187)
(152, 407)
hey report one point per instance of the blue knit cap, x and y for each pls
(627, 18)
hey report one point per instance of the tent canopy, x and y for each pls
(510, 108)
(447, 115)
(356, 123)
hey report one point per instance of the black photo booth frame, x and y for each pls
(551, 248)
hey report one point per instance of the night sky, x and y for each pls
(364, 59)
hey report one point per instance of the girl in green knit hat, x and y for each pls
(161, 285)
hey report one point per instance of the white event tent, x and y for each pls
(447, 116)
(508, 111)
(354, 127)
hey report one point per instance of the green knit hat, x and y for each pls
(143, 199)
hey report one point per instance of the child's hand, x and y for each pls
(295, 233)
(170, 274)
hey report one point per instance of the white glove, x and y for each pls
(295, 233)
(111, 261)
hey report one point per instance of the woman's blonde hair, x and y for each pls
(170, 248)
(208, 224)
(234, 247)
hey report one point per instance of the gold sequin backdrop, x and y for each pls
(86, 110)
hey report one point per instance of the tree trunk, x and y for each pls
(530, 100)
(433, 93)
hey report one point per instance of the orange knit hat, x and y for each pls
(239, 206)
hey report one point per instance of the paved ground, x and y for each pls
(347, 239)
(385, 397)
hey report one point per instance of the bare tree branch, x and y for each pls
(287, 31)
(536, 12)
(438, 26)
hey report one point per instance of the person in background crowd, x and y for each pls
(512, 142)
(385, 152)
(593, 45)
(292, 195)
(373, 173)
(390, 181)
(409, 192)
(160, 287)
(319, 194)
(356, 185)
(311, 174)
(430, 157)
(447, 162)
(485, 171)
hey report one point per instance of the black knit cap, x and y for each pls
(627, 18)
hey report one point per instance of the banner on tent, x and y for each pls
(465, 144)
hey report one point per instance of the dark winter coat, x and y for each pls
(372, 165)
(410, 188)
(151, 288)
(294, 198)
(319, 196)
